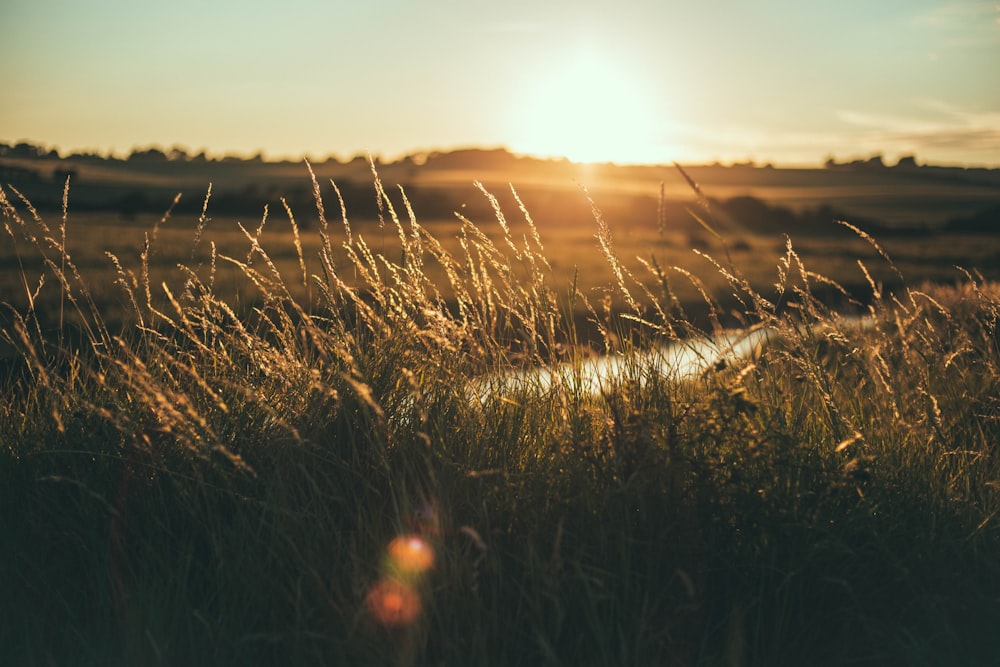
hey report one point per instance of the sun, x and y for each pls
(588, 108)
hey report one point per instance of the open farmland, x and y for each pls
(928, 219)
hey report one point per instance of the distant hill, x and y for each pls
(904, 197)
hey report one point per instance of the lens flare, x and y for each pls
(411, 554)
(393, 603)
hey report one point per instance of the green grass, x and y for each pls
(219, 482)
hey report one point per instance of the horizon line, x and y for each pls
(179, 153)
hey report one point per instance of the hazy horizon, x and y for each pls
(418, 156)
(639, 82)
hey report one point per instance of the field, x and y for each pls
(113, 206)
(262, 446)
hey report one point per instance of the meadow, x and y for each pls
(259, 445)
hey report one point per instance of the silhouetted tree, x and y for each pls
(89, 157)
(27, 150)
(148, 155)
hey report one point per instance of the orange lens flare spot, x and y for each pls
(393, 603)
(411, 554)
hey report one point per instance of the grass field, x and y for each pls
(277, 458)
(642, 229)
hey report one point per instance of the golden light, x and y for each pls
(590, 108)
(411, 554)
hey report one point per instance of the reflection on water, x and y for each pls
(680, 360)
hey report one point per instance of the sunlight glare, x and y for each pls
(588, 109)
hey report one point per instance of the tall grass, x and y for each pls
(223, 483)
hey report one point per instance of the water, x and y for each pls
(681, 360)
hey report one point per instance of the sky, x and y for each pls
(632, 81)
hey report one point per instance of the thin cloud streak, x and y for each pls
(741, 143)
(950, 131)
(964, 24)
(935, 132)
(514, 27)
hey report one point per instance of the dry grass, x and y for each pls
(222, 476)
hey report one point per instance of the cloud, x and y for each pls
(979, 139)
(942, 131)
(935, 131)
(739, 142)
(963, 24)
